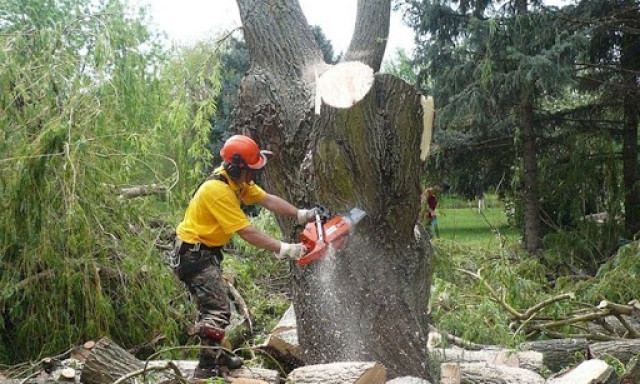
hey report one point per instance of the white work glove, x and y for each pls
(292, 251)
(306, 215)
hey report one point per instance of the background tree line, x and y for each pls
(538, 103)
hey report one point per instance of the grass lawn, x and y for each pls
(460, 222)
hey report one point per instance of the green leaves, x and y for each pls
(88, 106)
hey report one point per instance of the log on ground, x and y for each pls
(588, 372)
(107, 363)
(483, 373)
(339, 373)
(622, 350)
(559, 353)
(530, 360)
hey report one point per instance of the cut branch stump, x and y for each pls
(450, 373)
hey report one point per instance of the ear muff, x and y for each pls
(234, 168)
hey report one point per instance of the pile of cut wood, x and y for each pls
(562, 361)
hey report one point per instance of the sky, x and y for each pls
(186, 21)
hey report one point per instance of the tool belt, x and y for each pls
(188, 258)
(198, 247)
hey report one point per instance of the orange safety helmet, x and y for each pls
(242, 151)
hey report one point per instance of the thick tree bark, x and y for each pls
(369, 39)
(368, 303)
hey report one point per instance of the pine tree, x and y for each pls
(611, 72)
(492, 64)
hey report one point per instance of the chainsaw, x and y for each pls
(326, 233)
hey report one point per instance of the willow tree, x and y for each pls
(86, 107)
(344, 135)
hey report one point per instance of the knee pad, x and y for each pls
(208, 331)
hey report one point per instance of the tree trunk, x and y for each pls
(370, 34)
(368, 303)
(108, 363)
(531, 201)
(531, 195)
(630, 63)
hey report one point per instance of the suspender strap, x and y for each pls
(218, 176)
(214, 176)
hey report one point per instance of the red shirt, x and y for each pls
(432, 202)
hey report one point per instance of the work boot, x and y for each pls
(212, 337)
(206, 373)
(206, 367)
(229, 360)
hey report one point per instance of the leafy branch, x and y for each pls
(532, 321)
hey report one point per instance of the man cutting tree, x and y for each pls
(214, 214)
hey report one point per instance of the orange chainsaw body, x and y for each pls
(318, 235)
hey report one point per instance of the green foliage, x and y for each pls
(186, 121)
(477, 59)
(459, 299)
(402, 66)
(616, 279)
(87, 108)
(324, 44)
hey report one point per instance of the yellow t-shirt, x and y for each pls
(214, 213)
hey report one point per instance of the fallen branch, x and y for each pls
(531, 322)
(142, 190)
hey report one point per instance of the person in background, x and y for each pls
(479, 194)
(429, 204)
(213, 215)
